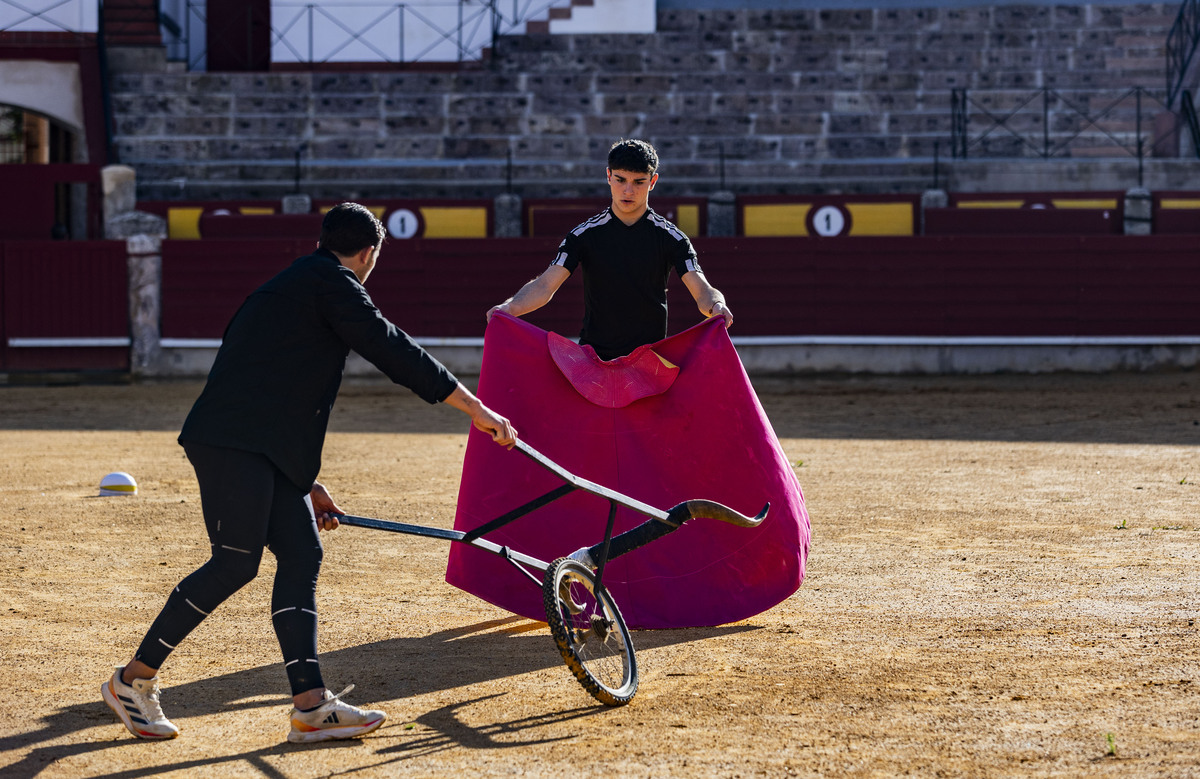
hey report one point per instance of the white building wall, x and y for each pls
(609, 16)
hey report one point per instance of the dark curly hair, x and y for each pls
(633, 155)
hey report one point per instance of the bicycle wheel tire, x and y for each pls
(590, 633)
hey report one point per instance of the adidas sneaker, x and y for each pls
(136, 705)
(333, 719)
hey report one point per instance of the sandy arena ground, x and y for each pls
(1004, 582)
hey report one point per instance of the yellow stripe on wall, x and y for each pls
(455, 222)
(880, 218)
(784, 219)
(991, 203)
(687, 219)
(1178, 203)
(184, 223)
(1108, 203)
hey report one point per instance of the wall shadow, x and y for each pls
(1134, 408)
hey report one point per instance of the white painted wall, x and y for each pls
(49, 88)
(609, 16)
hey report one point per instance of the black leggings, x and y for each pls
(248, 505)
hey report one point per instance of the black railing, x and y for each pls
(383, 31)
(20, 16)
(1187, 107)
(1050, 123)
(1181, 46)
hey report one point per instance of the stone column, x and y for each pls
(1139, 206)
(931, 198)
(508, 216)
(145, 303)
(296, 204)
(722, 214)
(143, 234)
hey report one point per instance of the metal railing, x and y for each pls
(1188, 108)
(1050, 123)
(1182, 41)
(77, 16)
(381, 32)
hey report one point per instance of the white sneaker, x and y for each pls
(137, 706)
(582, 557)
(333, 719)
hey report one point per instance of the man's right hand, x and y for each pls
(482, 417)
(498, 427)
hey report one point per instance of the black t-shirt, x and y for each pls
(625, 270)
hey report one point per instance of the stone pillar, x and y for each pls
(119, 185)
(143, 234)
(508, 216)
(296, 204)
(1139, 206)
(931, 198)
(722, 214)
(145, 303)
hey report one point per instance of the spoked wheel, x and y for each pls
(590, 633)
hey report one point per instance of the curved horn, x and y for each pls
(714, 510)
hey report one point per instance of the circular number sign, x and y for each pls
(829, 221)
(403, 223)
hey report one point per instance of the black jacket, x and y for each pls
(277, 373)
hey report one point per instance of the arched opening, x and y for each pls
(30, 138)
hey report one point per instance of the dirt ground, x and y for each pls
(1004, 581)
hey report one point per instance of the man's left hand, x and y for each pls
(720, 309)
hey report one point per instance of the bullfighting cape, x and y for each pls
(673, 421)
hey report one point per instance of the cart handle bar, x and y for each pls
(676, 516)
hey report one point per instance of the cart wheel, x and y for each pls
(590, 633)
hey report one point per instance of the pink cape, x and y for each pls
(673, 421)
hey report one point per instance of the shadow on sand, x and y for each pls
(391, 670)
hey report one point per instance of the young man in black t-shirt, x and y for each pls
(626, 252)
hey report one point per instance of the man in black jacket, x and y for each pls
(254, 438)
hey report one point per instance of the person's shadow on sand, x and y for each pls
(392, 670)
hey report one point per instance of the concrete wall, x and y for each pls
(52, 89)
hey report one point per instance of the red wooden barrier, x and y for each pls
(437, 288)
(924, 286)
(34, 197)
(65, 306)
(957, 285)
(274, 226)
(1023, 221)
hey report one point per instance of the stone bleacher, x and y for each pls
(798, 101)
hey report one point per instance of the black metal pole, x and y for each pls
(936, 149)
(1045, 123)
(721, 162)
(1140, 144)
